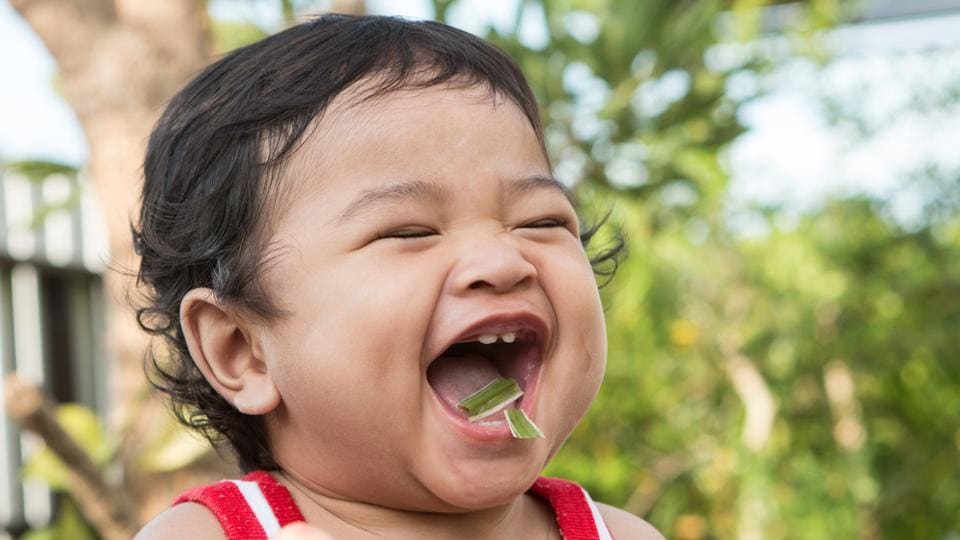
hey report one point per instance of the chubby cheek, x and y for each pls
(347, 356)
(575, 370)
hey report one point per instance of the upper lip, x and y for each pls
(497, 323)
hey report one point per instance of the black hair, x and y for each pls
(213, 160)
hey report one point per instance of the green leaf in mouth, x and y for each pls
(493, 397)
(521, 426)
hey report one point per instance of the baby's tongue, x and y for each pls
(454, 378)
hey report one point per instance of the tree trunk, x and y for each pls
(119, 62)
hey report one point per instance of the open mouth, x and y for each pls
(470, 364)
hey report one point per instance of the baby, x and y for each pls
(348, 228)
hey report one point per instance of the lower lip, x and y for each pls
(490, 429)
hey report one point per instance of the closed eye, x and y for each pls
(546, 223)
(406, 234)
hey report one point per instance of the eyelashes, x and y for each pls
(405, 234)
(546, 223)
(419, 233)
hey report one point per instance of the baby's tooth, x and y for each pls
(487, 339)
(509, 337)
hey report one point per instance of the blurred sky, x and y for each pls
(791, 156)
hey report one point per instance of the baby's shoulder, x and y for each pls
(185, 520)
(623, 524)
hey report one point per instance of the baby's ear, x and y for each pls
(223, 351)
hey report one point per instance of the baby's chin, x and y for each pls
(479, 495)
(479, 482)
(461, 474)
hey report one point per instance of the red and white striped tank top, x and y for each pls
(257, 506)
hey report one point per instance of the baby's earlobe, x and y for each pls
(257, 395)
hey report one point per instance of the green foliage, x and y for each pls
(85, 428)
(169, 447)
(844, 290)
(627, 97)
(68, 525)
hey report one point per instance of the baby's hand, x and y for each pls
(302, 531)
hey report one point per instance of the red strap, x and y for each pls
(227, 503)
(278, 496)
(224, 499)
(570, 506)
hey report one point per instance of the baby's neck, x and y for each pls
(527, 516)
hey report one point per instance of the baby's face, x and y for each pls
(419, 221)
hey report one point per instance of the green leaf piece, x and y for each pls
(521, 426)
(493, 397)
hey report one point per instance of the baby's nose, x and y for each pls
(493, 263)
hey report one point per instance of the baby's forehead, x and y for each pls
(365, 111)
(369, 99)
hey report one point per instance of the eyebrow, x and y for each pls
(417, 189)
(420, 189)
(532, 183)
